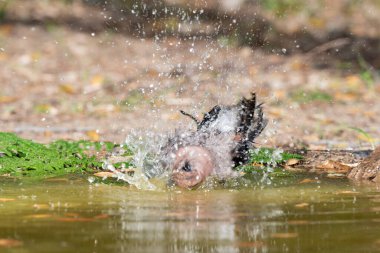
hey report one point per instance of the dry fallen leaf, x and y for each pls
(101, 216)
(353, 81)
(48, 134)
(152, 73)
(276, 112)
(104, 174)
(6, 199)
(74, 219)
(97, 81)
(39, 216)
(173, 116)
(256, 244)
(292, 162)
(93, 135)
(307, 181)
(10, 243)
(284, 235)
(301, 205)
(334, 167)
(68, 88)
(7, 99)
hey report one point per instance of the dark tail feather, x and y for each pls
(258, 124)
(252, 123)
(247, 113)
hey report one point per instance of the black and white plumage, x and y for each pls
(221, 142)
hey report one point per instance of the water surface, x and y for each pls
(73, 215)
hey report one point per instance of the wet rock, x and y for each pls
(368, 169)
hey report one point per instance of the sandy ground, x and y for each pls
(62, 83)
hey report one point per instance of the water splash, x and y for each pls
(138, 179)
(145, 147)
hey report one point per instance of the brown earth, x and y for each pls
(59, 82)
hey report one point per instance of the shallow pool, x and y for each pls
(304, 215)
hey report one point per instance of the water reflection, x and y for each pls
(210, 221)
(327, 217)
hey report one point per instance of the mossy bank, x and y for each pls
(24, 158)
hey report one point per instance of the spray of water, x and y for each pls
(146, 160)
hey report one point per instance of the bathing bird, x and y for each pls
(220, 142)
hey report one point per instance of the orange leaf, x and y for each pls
(256, 244)
(6, 199)
(97, 81)
(308, 180)
(284, 235)
(7, 99)
(301, 205)
(67, 88)
(101, 216)
(74, 219)
(292, 161)
(93, 135)
(39, 216)
(10, 243)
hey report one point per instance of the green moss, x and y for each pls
(271, 155)
(20, 157)
(268, 160)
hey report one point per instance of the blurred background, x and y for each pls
(96, 69)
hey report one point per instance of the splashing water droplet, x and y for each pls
(91, 179)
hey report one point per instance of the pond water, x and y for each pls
(303, 215)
